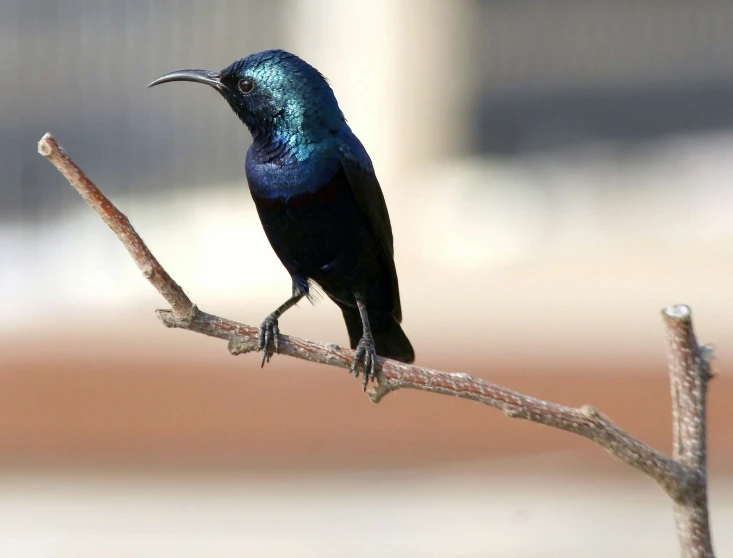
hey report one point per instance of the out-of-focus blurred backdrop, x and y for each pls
(556, 173)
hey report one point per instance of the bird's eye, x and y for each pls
(246, 85)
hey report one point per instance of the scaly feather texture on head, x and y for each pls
(291, 107)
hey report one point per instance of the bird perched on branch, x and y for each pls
(318, 199)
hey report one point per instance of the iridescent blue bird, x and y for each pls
(317, 197)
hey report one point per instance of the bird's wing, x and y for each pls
(364, 184)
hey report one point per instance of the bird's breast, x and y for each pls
(322, 199)
(286, 179)
(311, 231)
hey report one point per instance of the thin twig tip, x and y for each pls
(590, 411)
(678, 312)
(377, 393)
(44, 145)
(707, 352)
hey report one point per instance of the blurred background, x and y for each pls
(556, 173)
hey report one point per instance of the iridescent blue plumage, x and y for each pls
(317, 196)
(292, 108)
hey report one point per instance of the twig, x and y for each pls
(120, 225)
(392, 375)
(682, 477)
(689, 370)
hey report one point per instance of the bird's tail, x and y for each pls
(389, 339)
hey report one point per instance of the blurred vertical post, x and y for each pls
(399, 69)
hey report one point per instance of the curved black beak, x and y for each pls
(198, 76)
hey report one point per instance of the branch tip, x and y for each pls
(707, 353)
(165, 316)
(377, 393)
(44, 145)
(678, 312)
(590, 411)
(241, 344)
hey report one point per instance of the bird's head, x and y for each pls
(280, 97)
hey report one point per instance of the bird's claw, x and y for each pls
(366, 354)
(268, 340)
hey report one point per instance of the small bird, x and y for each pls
(318, 199)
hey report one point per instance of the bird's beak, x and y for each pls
(199, 76)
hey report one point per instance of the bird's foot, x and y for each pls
(268, 340)
(366, 354)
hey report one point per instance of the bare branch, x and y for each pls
(689, 370)
(120, 225)
(682, 477)
(392, 375)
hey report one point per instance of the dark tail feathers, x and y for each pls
(389, 339)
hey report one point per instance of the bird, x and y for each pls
(318, 198)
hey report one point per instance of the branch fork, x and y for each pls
(683, 476)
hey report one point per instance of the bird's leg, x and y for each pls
(365, 351)
(269, 337)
